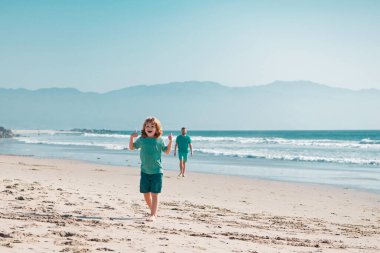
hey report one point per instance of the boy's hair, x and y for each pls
(156, 122)
(183, 128)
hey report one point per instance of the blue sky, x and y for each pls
(105, 45)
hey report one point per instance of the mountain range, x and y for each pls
(279, 105)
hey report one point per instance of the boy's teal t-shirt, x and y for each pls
(150, 154)
(183, 143)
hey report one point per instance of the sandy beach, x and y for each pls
(71, 206)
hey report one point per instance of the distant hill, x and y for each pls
(197, 105)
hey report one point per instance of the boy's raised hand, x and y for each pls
(135, 134)
(170, 137)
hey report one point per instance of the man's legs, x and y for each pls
(180, 167)
(181, 163)
(183, 167)
(184, 160)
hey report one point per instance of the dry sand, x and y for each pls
(71, 206)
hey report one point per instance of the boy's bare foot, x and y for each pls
(179, 175)
(151, 218)
(183, 175)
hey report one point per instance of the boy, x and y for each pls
(151, 145)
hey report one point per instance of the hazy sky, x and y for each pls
(105, 45)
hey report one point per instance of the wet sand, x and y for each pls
(70, 206)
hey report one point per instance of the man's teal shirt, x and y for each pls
(183, 142)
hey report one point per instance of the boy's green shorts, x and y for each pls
(151, 183)
(182, 156)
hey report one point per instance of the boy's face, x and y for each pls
(150, 129)
(183, 130)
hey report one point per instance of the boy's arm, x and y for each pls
(131, 140)
(169, 147)
(175, 149)
(191, 149)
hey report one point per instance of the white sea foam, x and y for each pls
(42, 131)
(369, 141)
(276, 155)
(366, 143)
(121, 136)
(113, 146)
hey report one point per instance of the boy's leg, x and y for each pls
(145, 189)
(148, 200)
(154, 204)
(156, 189)
(154, 209)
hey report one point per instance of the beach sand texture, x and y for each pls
(70, 206)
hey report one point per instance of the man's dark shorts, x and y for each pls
(151, 183)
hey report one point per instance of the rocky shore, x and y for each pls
(6, 133)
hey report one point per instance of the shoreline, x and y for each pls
(55, 205)
(364, 190)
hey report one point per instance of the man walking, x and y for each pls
(183, 142)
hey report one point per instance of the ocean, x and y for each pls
(349, 159)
